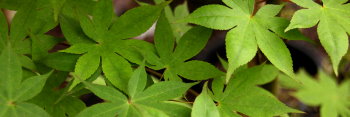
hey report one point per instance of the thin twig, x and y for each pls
(154, 73)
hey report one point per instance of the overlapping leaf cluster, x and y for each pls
(333, 25)
(44, 75)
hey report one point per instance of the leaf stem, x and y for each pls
(154, 73)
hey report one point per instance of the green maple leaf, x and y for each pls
(250, 32)
(172, 59)
(140, 101)
(16, 91)
(244, 96)
(108, 40)
(333, 25)
(324, 92)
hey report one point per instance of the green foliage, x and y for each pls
(204, 103)
(55, 100)
(242, 95)
(178, 13)
(333, 25)
(325, 92)
(250, 32)
(140, 101)
(43, 74)
(16, 91)
(172, 59)
(108, 42)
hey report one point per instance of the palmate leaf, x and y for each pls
(32, 19)
(107, 37)
(12, 5)
(152, 101)
(128, 25)
(172, 59)
(249, 32)
(242, 95)
(41, 44)
(333, 25)
(325, 92)
(14, 91)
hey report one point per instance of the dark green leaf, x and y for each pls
(3, 31)
(54, 99)
(26, 62)
(41, 44)
(57, 6)
(129, 24)
(191, 43)
(61, 61)
(31, 87)
(164, 38)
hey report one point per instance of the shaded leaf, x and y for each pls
(128, 25)
(31, 87)
(191, 43)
